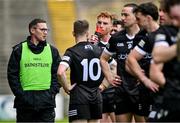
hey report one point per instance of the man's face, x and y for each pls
(175, 15)
(116, 28)
(142, 20)
(127, 16)
(40, 32)
(164, 17)
(105, 24)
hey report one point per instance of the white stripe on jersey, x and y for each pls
(162, 43)
(106, 51)
(65, 63)
(139, 50)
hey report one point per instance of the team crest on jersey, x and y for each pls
(66, 58)
(130, 44)
(88, 47)
(142, 43)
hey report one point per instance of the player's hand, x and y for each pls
(102, 87)
(67, 90)
(151, 85)
(94, 39)
(115, 80)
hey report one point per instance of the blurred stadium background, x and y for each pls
(15, 16)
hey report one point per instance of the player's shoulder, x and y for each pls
(168, 29)
(142, 32)
(119, 36)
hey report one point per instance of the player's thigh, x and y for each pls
(126, 117)
(138, 118)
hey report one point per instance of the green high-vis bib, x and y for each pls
(35, 69)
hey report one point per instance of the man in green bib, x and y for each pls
(32, 75)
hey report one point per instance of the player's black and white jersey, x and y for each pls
(167, 37)
(101, 44)
(84, 62)
(121, 44)
(145, 47)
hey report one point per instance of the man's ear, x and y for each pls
(32, 30)
(149, 17)
(87, 34)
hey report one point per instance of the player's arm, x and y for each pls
(113, 66)
(134, 67)
(61, 73)
(164, 53)
(156, 73)
(111, 78)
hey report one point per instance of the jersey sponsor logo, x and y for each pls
(130, 44)
(37, 59)
(65, 58)
(122, 56)
(160, 37)
(88, 47)
(36, 65)
(120, 44)
(142, 43)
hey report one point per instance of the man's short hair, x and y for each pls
(169, 3)
(148, 9)
(132, 5)
(105, 15)
(35, 22)
(117, 22)
(80, 27)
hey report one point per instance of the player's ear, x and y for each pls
(149, 17)
(87, 34)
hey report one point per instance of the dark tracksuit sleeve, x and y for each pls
(56, 60)
(13, 72)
